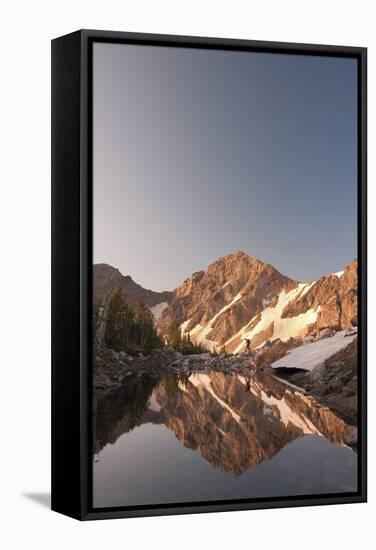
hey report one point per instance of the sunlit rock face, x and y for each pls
(336, 297)
(234, 289)
(240, 296)
(234, 422)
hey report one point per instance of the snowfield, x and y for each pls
(312, 355)
(158, 309)
(284, 328)
(199, 333)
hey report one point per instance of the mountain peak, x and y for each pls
(240, 295)
(229, 293)
(238, 255)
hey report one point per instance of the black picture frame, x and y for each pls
(72, 270)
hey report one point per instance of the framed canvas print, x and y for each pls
(208, 274)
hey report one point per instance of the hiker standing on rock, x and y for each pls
(247, 345)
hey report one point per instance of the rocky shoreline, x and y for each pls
(111, 368)
(334, 384)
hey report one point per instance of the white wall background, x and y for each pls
(27, 27)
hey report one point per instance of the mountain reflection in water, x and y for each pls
(236, 437)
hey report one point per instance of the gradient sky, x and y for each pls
(199, 153)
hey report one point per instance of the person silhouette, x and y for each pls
(247, 345)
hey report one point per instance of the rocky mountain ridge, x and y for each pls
(106, 278)
(241, 297)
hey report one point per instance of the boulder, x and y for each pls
(352, 437)
(134, 349)
(325, 333)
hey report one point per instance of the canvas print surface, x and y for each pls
(225, 275)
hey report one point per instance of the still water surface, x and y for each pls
(215, 437)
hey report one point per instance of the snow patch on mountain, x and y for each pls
(183, 326)
(291, 327)
(241, 332)
(312, 355)
(199, 333)
(339, 274)
(306, 288)
(157, 310)
(284, 328)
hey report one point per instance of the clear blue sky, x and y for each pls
(200, 153)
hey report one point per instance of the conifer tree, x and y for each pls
(174, 339)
